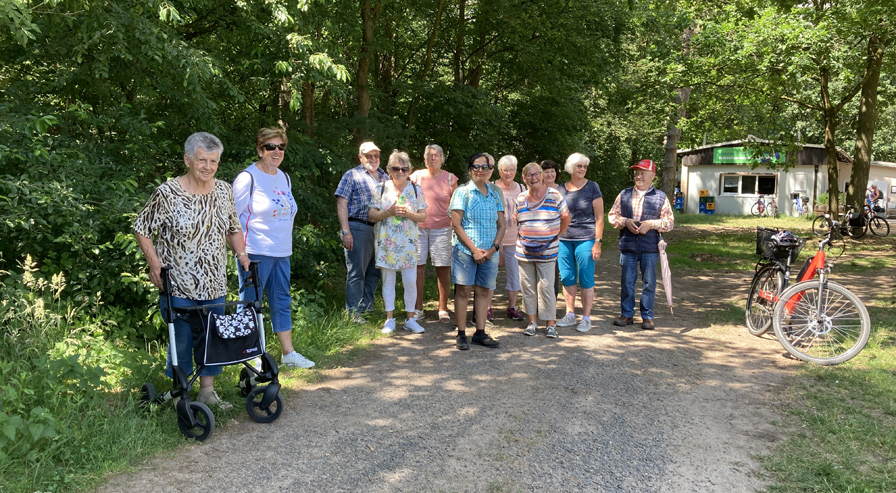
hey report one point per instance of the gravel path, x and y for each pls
(685, 407)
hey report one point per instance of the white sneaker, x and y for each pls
(568, 320)
(530, 329)
(413, 326)
(584, 325)
(389, 326)
(296, 360)
(418, 314)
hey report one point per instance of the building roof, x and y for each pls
(842, 156)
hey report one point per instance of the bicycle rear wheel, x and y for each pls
(771, 210)
(766, 286)
(879, 226)
(820, 226)
(856, 231)
(821, 323)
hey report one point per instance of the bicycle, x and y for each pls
(776, 254)
(818, 320)
(852, 224)
(876, 224)
(763, 208)
(800, 205)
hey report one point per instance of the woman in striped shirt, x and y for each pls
(542, 216)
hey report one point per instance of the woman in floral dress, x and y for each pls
(398, 207)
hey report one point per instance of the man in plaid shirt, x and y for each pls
(353, 198)
(640, 213)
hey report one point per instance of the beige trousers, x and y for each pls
(537, 282)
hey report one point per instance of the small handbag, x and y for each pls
(234, 326)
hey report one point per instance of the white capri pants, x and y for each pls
(408, 280)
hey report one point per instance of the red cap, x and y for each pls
(645, 164)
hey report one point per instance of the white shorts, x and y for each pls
(436, 243)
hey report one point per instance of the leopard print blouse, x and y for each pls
(192, 236)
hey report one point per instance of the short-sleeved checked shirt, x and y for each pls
(480, 220)
(356, 186)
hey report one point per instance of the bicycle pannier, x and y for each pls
(856, 220)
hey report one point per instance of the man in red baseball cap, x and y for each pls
(641, 213)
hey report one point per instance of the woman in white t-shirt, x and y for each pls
(267, 210)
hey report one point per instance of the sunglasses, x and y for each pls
(399, 170)
(482, 167)
(271, 147)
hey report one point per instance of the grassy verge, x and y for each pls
(841, 426)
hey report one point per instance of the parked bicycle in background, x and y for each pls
(800, 205)
(763, 208)
(853, 223)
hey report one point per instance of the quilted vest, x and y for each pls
(653, 206)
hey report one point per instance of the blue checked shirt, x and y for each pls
(356, 186)
(480, 220)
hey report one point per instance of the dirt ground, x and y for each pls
(686, 407)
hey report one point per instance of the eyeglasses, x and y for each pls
(533, 175)
(400, 170)
(271, 147)
(482, 167)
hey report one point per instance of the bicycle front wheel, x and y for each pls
(879, 226)
(822, 323)
(756, 210)
(764, 290)
(771, 210)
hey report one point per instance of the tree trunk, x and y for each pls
(830, 143)
(427, 61)
(861, 164)
(363, 84)
(670, 158)
(459, 41)
(308, 107)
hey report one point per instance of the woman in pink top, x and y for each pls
(435, 231)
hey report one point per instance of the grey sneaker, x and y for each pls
(552, 332)
(584, 325)
(568, 320)
(210, 398)
(358, 319)
(530, 329)
(296, 360)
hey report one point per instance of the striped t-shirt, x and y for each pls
(539, 225)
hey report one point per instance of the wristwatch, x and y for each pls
(496, 247)
(344, 232)
(600, 240)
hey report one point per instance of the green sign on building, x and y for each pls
(740, 155)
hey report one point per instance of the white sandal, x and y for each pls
(444, 318)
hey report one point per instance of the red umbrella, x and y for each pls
(667, 274)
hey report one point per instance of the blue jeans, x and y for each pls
(274, 280)
(183, 334)
(362, 276)
(629, 263)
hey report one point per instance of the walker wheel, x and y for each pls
(260, 414)
(148, 395)
(204, 422)
(246, 382)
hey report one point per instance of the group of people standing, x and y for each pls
(395, 220)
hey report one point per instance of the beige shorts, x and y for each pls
(434, 243)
